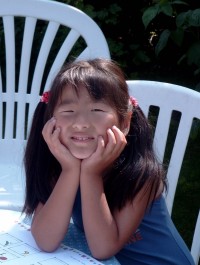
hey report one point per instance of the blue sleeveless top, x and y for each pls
(156, 241)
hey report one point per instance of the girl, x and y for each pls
(89, 155)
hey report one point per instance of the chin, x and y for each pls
(82, 156)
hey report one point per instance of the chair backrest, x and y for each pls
(36, 38)
(162, 102)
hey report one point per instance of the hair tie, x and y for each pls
(45, 97)
(133, 101)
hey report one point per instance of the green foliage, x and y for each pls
(184, 32)
(162, 42)
(190, 18)
(165, 7)
(142, 34)
(149, 14)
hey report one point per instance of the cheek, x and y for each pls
(108, 125)
(61, 121)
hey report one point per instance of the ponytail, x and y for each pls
(136, 166)
(40, 165)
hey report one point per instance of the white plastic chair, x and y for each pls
(167, 98)
(23, 77)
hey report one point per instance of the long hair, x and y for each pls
(136, 166)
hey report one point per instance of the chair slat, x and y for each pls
(161, 132)
(177, 156)
(195, 249)
(8, 22)
(1, 107)
(42, 57)
(41, 63)
(29, 30)
(63, 53)
(84, 54)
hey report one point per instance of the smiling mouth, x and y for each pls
(82, 139)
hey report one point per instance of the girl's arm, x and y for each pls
(107, 232)
(51, 220)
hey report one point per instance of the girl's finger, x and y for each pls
(49, 127)
(55, 134)
(109, 147)
(119, 135)
(50, 133)
(120, 141)
(100, 145)
(111, 139)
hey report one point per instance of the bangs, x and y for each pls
(99, 85)
(103, 83)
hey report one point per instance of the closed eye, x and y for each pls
(66, 112)
(96, 110)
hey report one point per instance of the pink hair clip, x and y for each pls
(133, 101)
(45, 97)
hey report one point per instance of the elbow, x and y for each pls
(102, 253)
(47, 248)
(43, 242)
(106, 249)
(100, 256)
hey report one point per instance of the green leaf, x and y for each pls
(166, 9)
(179, 3)
(182, 19)
(162, 42)
(194, 18)
(149, 14)
(191, 18)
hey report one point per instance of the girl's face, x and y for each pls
(82, 120)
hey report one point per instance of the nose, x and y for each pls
(81, 121)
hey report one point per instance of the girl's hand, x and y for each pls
(105, 154)
(51, 136)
